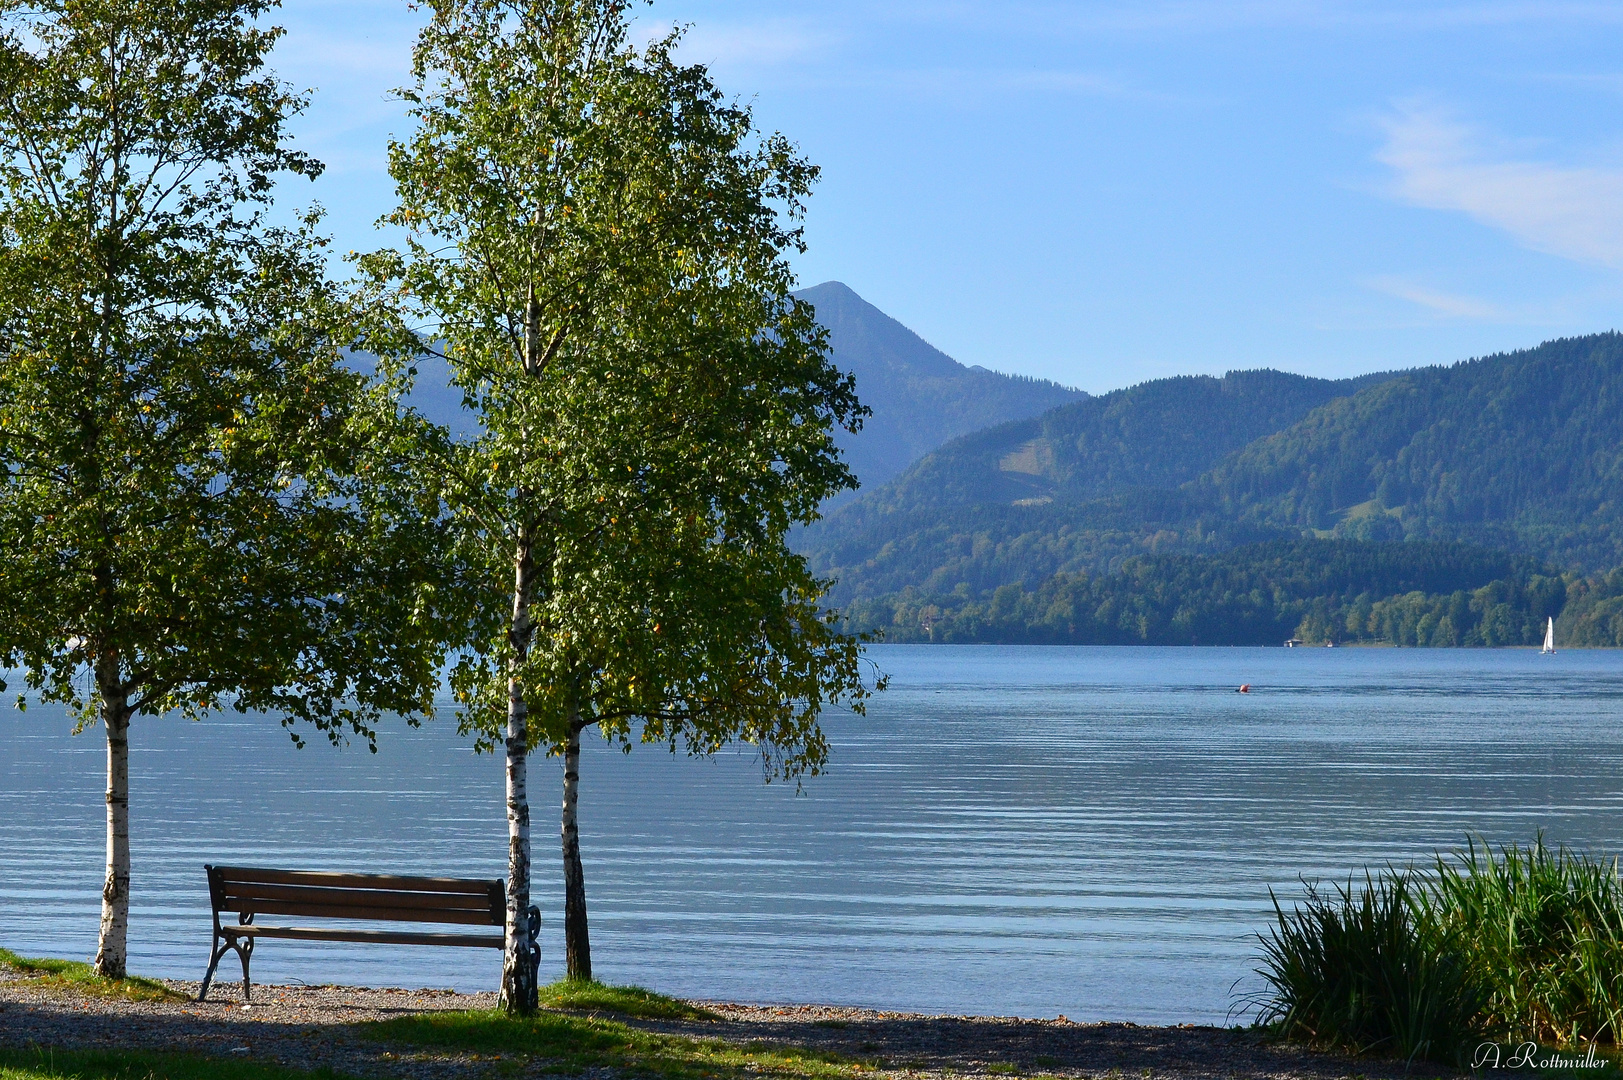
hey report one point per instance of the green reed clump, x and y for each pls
(1518, 945)
(1367, 971)
(1543, 931)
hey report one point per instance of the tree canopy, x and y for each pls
(182, 446)
(599, 241)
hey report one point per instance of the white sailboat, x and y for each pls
(1549, 637)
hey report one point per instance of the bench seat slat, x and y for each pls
(389, 937)
(329, 879)
(483, 917)
(393, 898)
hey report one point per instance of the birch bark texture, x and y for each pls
(181, 514)
(519, 992)
(577, 941)
(600, 241)
(112, 944)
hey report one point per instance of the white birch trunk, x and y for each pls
(517, 988)
(518, 968)
(577, 943)
(112, 946)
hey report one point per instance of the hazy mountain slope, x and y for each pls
(1017, 499)
(1521, 450)
(433, 395)
(1158, 435)
(920, 397)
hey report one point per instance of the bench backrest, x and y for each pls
(316, 894)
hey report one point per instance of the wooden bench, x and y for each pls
(255, 891)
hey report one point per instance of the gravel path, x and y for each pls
(302, 1026)
(313, 1026)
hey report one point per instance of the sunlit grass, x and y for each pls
(565, 1042)
(72, 974)
(1358, 970)
(46, 1064)
(579, 996)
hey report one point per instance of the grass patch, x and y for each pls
(564, 1042)
(74, 975)
(45, 1064)
(580, 996)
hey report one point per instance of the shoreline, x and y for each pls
(336, 1027)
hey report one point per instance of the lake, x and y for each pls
(1011, 830)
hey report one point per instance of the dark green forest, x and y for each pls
(1522, 451)
(1262, 506)
(1341, 591)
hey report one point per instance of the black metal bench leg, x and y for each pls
(245, 950)
(214, 962)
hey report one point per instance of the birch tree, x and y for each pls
(182, 513)
(600, 240)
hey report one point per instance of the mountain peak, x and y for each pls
(863, 328)
(920, 396)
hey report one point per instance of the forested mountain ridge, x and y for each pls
(920, 396)
(1073, 489)
(1157, 434)
(978, 548)
(1521, 450)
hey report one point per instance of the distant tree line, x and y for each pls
(1594, 611)
(1343, 591)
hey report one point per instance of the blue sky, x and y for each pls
(1102, 193)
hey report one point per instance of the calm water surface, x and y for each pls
(1087, 831)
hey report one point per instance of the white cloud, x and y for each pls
(767, 42)
(1205, 16)
(1447, 305)
(358, 41)
(976, 84)
(1570, 211)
